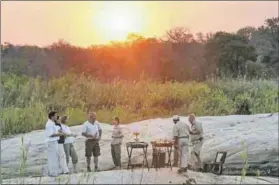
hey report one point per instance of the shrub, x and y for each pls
(26, 101)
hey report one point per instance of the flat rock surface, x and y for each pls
(259, 133)
(139, 176)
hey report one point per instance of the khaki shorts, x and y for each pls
(92, 147)
(197, 146)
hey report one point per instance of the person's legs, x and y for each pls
(192, 158)
(96, 163)
(199, 165)
(96, 154)
(67, 152)
(196, 153)
(175, 156)
(184, 154)
(52, 152)
(88, 161)
(88, 153)
(178, 155)
(118, 155)
(113, 155)
(62, 159)
(74, 157)
(73, 154)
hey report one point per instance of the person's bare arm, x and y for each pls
(197, 130)
(119, 135)
(174, 132)
(69, 135)
(100, 133)
(86, 135)
(195, 133)
(175, 142)
(66, 132)
(56, 135)
(175, 137)
(51, 133)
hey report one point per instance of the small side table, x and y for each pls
(137, 145)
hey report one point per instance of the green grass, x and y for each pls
(26, 101)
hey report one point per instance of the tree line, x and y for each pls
(180, 55)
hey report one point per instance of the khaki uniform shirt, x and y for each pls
(197, 126)
(181, 129)
(117, 135)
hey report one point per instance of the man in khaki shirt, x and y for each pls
(176, 149)
(117, 138)
(196, 139)
(181, 134)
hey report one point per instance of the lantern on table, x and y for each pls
(136, 132)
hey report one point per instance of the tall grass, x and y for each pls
(26, 101)
(244, 156)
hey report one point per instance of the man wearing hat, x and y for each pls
(196, 139)
(181, 134)
(175, 119)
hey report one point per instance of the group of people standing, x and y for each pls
(184, 137)
(93, 133)
(60, 146)
(60, 143)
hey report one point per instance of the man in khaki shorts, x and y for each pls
(196, 139)
(181, 135)
(93, 133)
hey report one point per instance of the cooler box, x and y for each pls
(159, 159)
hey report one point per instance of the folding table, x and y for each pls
(137, 145)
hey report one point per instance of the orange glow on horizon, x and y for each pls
(86, 23)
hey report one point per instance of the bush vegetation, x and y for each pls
(27, 100)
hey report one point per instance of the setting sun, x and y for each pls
(117, 20)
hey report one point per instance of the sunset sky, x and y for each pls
(86, 23)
